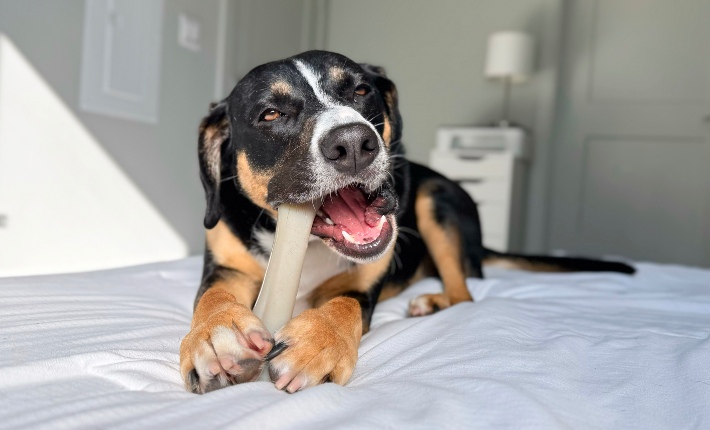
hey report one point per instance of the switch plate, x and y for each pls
(188, 33)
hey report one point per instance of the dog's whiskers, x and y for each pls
(374, 116)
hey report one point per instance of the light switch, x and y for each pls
(188, 33)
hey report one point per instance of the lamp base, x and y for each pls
(505, 123)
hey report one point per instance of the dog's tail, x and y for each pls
(541, 263)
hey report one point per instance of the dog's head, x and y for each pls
(316, 127)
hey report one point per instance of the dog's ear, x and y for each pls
(388, 91)
(212, 148)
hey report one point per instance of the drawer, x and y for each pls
(484, 166)
(486, 190)
(494, 218)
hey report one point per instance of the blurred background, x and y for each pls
(582, 128)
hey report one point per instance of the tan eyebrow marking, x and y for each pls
(281, 87)
(336, 73)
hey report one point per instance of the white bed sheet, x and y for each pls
(98, 350)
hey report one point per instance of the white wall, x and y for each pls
(69, 207)
(160, 158)
(435, 51)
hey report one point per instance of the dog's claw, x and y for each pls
(276, 350)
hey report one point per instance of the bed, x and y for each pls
(100, 349)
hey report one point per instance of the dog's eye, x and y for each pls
(270, 115)
(362, 90)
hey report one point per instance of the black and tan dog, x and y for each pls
(319, 127)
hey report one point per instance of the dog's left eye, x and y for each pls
(270, 115)
(362, 90)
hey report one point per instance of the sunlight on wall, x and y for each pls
(68, 206)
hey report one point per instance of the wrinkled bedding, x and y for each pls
(98, 350)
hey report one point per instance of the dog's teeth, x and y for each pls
(329, 221)
(321, 214)
(348, 237)
(381, 223)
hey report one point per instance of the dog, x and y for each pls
(319, 127)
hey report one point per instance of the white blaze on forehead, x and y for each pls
(314, 81)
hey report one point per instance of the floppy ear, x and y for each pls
(212, 144)
(388, 92)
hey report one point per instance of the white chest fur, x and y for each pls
(319, 265)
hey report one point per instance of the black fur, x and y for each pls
(278, 148)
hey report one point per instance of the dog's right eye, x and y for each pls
(270, 115)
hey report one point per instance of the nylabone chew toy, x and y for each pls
(277, 297)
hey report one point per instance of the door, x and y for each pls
(631, 170)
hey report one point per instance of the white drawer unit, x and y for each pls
(489, 163)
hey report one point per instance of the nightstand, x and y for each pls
(490, 164)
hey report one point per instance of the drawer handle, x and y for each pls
(471, 157)
(472, 181)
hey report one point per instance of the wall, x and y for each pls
(433, 50)
(435, 53)
(260, 31)
(160, 158)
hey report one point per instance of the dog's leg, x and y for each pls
(227, 342)
(444, 243)
(323, 341)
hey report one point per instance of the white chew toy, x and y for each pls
(277, 297)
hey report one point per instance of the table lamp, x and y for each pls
(510, 59)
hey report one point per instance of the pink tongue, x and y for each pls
(347, 209)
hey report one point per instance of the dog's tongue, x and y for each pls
(348, 210)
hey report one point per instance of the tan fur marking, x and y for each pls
(244, 289)
(360, 278)
(391, 98)
(254, 184)
(211, 144)
(281, 87)
(520, 264)
(336, 73)
(230, 252)
(387, 132)
(444, 246)
(226, 305)
(390, 290)
(323, 342)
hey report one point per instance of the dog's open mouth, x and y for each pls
(354, 223)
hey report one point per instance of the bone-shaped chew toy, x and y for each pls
(277, 297)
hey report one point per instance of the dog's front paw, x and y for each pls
(427, 304)
(225, 348)
(321, 346)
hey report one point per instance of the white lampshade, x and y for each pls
(510, 55)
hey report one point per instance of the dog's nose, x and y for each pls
(350, 148)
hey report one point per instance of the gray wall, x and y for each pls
(435, 53)
(160, 158)
(434, 50)
(266, 30)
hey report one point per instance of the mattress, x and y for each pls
(100, 350)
